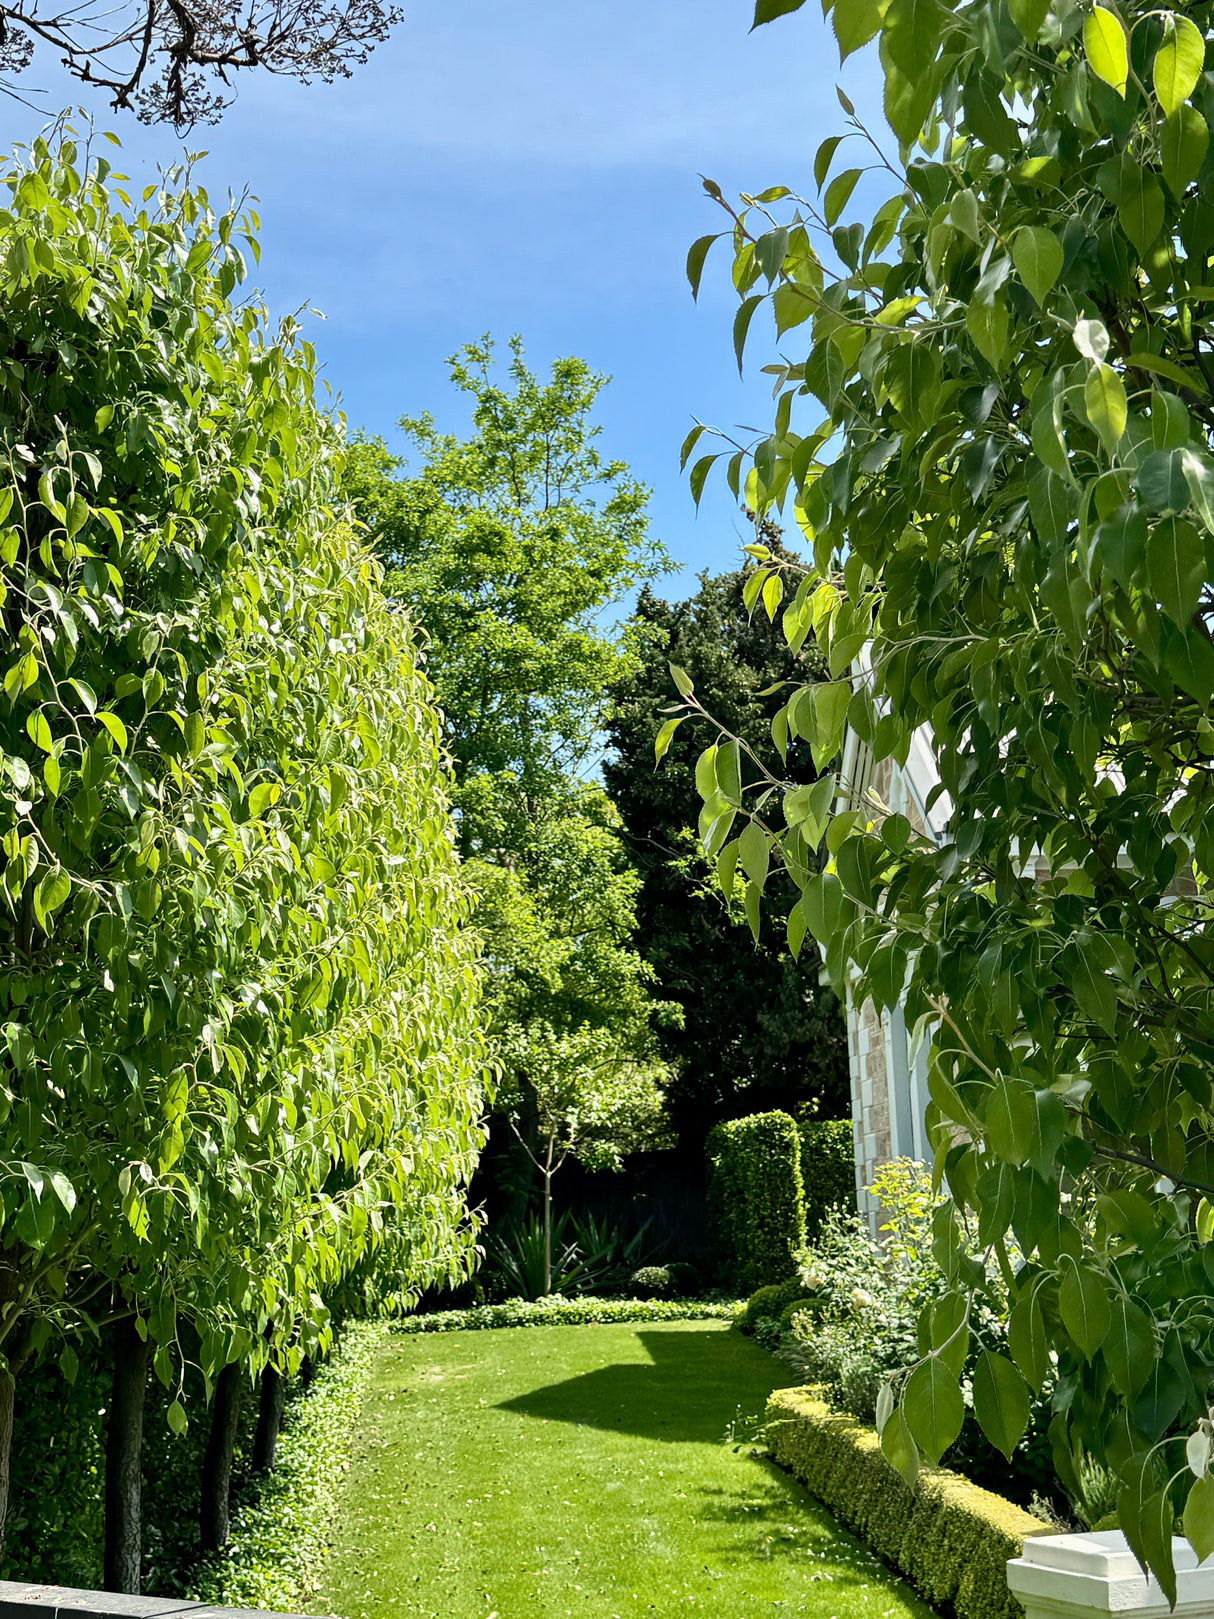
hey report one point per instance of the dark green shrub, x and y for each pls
(652, 1282)
(756, 1202)
(770, 1302)
(828, 1168)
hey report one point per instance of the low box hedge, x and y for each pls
(950, 1539)
(558, 1312)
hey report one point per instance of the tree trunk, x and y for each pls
(8, 1406)
(269, 1419)
(217, 1462)
(123, 1460)
(307, 1371)
(547, 1231)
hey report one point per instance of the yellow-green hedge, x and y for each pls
(949, 1538)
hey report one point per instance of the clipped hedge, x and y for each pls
(559, 1312)
(950, 1539)
(828, 1168)
(756, 1201)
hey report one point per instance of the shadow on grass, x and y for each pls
(687, 1395)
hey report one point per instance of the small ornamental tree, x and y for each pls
(1010, 503)
(238, 1009)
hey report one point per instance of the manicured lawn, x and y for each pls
(552, 1471)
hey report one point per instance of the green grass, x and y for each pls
(584, 1471)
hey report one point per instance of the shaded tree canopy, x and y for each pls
(793, 1051)
(173, 60)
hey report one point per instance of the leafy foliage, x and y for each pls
(755, 1200)
(1009, 504)
(793, 1053)
(828, 1167)
(509, 548)
(240, 1012)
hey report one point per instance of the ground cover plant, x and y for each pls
(561, 1471)
(1010, 507)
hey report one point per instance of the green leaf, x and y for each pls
(796, 930)
(1176, 567)
(728, 767)
(1029, 17)
(838, 192)
(1105, 402)
(824, 157)
(933, 1407)
(178, 1421)
(1050, 507)
(828, 703)
(51, 893)
(1183, 145)
(1162, 485)
(1037, 254)
(912, 378)
(741, 325)
(682, 680)
(823, 902)
(1027, 1340)
(911, 37)
(664, 737)
(1140, 206)
(1143, 360)
(908, 101)
(115, 727)
(1199, 474)
(855, 22)
(1011, 1120)
(1178, 62)
(1107, 49)
(1001, 1401)
(1199, 1517)
(987, 324)
(696, 255)
(1129, 1347)
(39, 731)
(898, 1448)
(1088, 960)
(1084, 1305)
(1122, 543)
(754, 853)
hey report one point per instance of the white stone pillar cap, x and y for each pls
(1097, 1573)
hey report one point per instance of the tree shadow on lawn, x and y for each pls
(689, 1394)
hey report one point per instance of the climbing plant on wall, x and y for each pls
(1009, 499)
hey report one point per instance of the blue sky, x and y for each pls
(530, 167)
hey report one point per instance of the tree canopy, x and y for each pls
(1010, 504)
(511, 550)
(793, 1053)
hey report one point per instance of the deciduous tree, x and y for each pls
(239, 1007)
(1011, 509)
